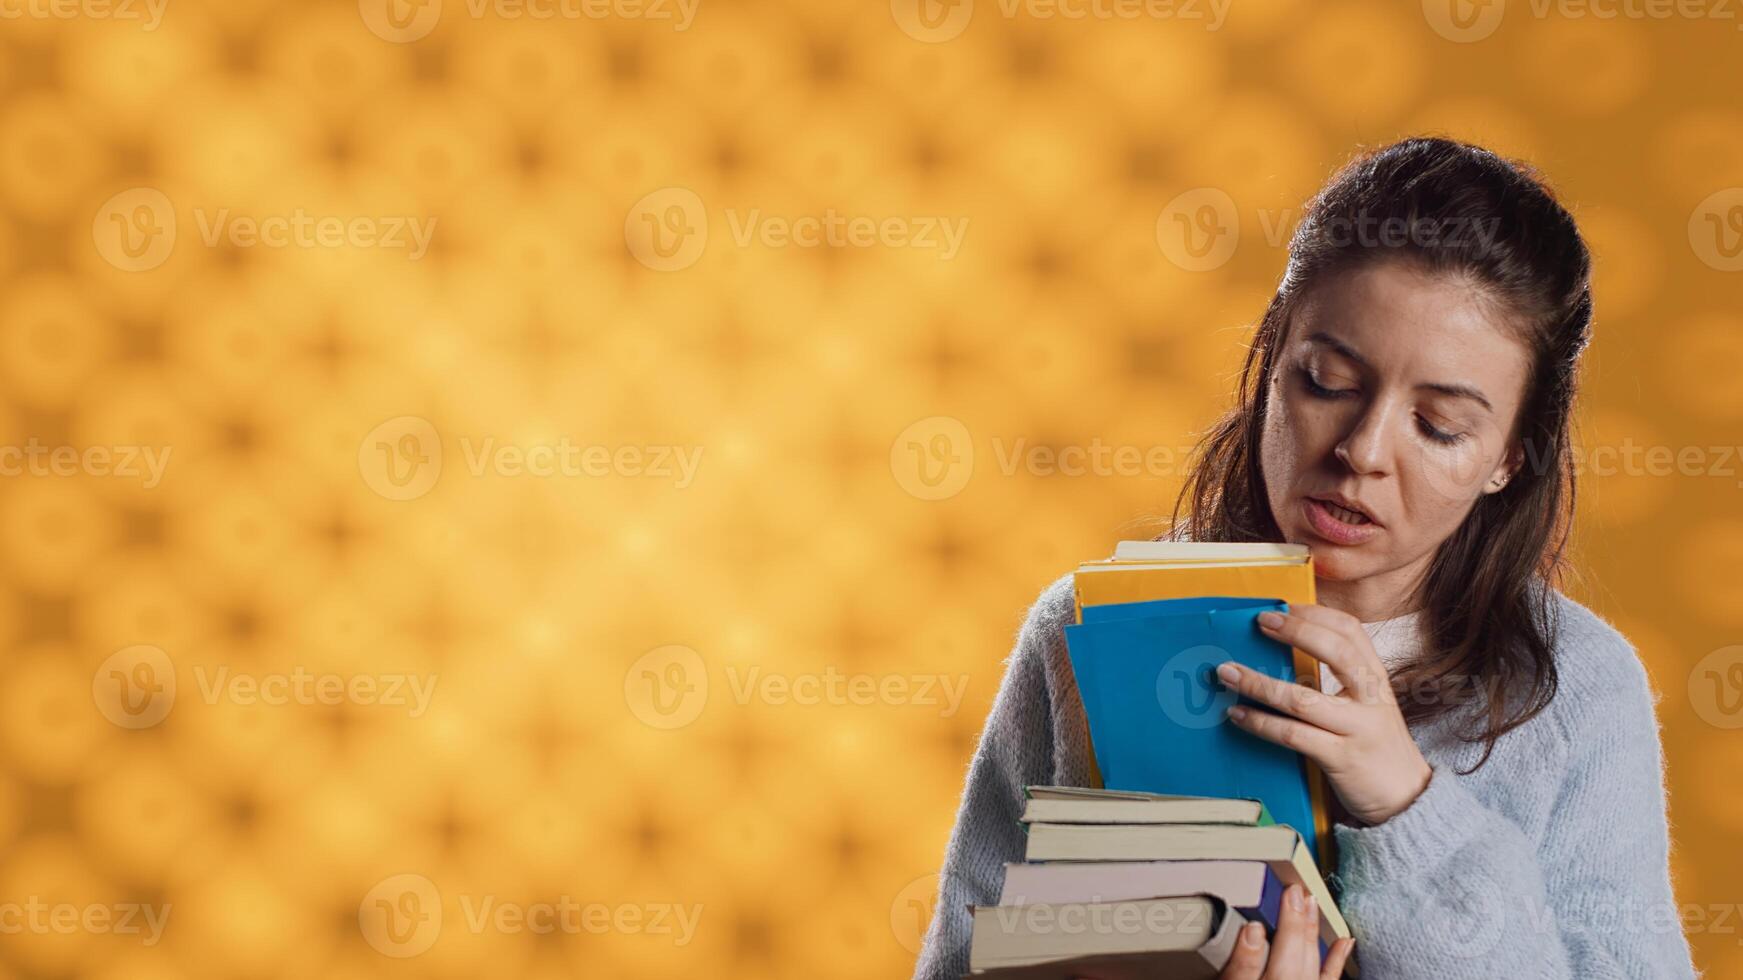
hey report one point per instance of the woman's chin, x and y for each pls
(1336, 564)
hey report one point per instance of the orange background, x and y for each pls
(633, 702)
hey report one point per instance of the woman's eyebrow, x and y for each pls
(1459, 391)
(1456, 391)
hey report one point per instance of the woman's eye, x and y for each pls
(1436, 433)
(1318, 390)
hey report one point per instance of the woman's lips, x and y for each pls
(1328, 525)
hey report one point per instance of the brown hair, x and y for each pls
(1488, 597)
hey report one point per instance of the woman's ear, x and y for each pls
(1504, 473)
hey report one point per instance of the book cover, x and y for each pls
(1143, 571)
(1158, 716)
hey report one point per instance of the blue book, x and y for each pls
(1158, 715)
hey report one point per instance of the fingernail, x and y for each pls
(1270, 620)
(1237, 712)
(1298, 898)
(1252, 935)
(1229, 672)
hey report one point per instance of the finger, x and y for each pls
(1303, 702)
(1248, 959)
(1310, 948)
(1345, 625)
(1335, 960)
(1295, 934)
(1327, 645)
(1330, 618)
(1310, 740)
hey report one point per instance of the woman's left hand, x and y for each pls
(1358, 736)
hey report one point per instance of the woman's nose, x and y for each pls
(1366, 448)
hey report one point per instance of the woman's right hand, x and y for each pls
(1295, 953)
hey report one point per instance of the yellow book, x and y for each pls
(1143, 571)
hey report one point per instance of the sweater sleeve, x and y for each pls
(1015, 750)
(1451, 888)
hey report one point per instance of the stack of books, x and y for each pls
(1197, 826)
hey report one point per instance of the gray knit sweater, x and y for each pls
(1551, 861)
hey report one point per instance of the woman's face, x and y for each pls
(1391, 410)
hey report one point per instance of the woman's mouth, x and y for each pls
(1338, 524)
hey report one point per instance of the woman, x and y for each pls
(1404, 411)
